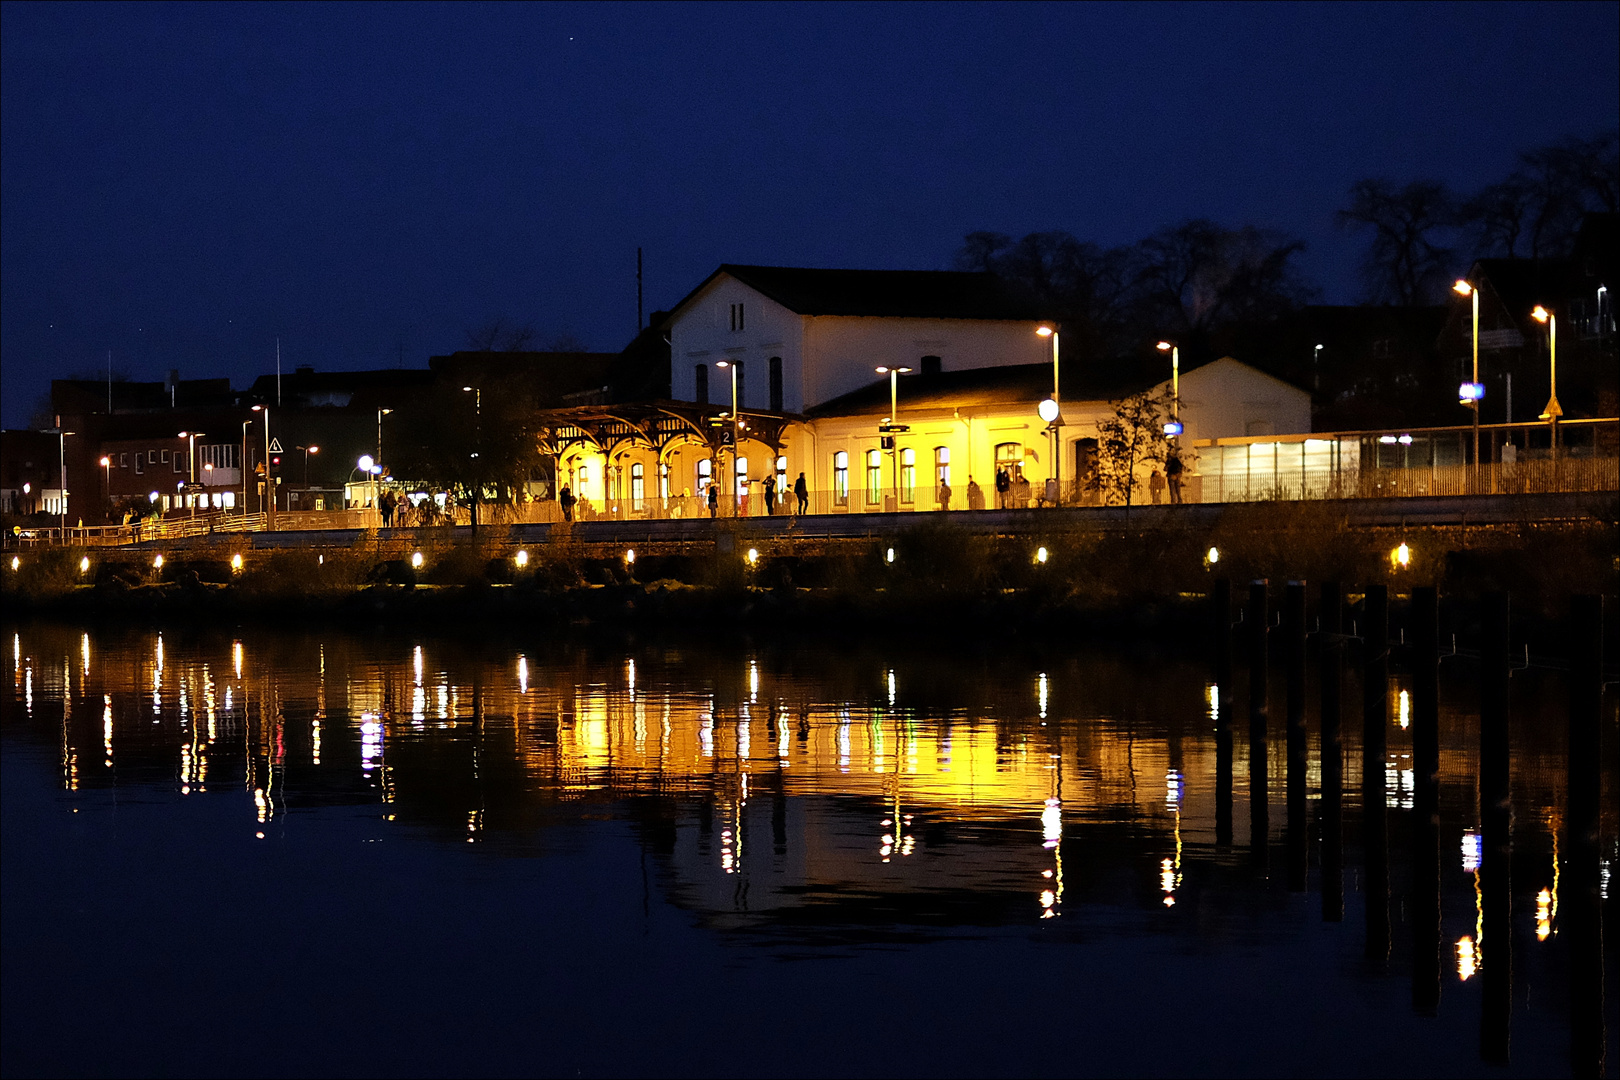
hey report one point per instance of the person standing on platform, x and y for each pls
(802, 491)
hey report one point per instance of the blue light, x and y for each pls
(1471, 391)
(1173, 428)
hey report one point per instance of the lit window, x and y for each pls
(742, 478)
(874, 476)
(705, 474)
(908, 475)
(942, 465)
(638, 484)
(663, 479)
(781, 475)
(841, 478)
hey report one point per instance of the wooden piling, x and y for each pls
(1425, 662)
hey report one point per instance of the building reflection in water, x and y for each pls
(981, 788)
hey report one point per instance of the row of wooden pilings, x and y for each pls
(1580, 899)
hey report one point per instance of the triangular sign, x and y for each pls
(275, 446)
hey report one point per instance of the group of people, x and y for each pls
(1169, 478)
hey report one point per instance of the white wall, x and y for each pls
(702, 334)
(1226, 398)
(827, 355)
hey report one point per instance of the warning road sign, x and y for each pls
(275, 446)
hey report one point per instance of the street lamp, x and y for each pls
(269, 481)
(191, 468)
(478, 442)
(1316, 367)
(1057, 456)
(61, 449)
(892, 426)
(1175, 384)
(308, 450)
(1552, 412)
(736, 509)
(106, 465)
(380, 414)
(1470, 393)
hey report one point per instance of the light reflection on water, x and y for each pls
(791, 798)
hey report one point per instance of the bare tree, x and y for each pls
(1198, 275)
(499, 334)
(1133, 436)
(1496, 217)
(1083, 285)
(1406, 262)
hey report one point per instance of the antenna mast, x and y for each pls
(278, 372)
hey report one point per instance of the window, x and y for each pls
(908, 475)
(776, 383)
(165, 457)
(874, 476)
(151, 457)
(179, 462)
(219, 455)
(123, 460)
(742, 478)
(841, 478)
(736, 317)
(140, 467)
(705, 475)
(1010, 456)
(638, 484)
(700, 383)
(663, 479)
(942, 465)
(781, 475)
(930, 365)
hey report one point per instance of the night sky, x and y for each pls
(182, 184)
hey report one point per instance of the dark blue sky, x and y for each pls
(182, 184)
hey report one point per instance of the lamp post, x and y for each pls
(380, 414)
(478, 442)
(106, 487)
(61, 449)
(1553, 411)
(243, 463)
(736, 502)
(1316, 368)
(191, 467)
(1474, 389)
(308, 450)
(1057, 402)
(893, 422)
(269, 481)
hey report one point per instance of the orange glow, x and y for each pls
(1540, 314)
(1462, 288)
(1164, 346)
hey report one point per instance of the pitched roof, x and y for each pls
(910, 294)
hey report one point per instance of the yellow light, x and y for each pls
(1040, 556)
(1213, 555)
(84, 564)
(1164, 346)
(1044, 331)
(1462, 288)
(106, 461)
(16, 562)
(630, 556)
(236, 562)
(1540, 314)
(1401, 557)
(416, 561)
(753, 556)
(157, 563)
(522, 558)
(1467, 958)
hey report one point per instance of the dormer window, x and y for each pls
(736, 317)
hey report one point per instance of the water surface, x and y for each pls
(254, 852)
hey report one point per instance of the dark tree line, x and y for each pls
(1420, 233)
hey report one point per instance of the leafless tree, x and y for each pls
(1406, 262)
(1198, 275)
(1133, 436)
(499, 334)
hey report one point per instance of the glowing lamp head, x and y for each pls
(722, 363)
(630, 556)
(1540, 314)
(1462, 288)
(416, 560)
(1401, 557)
(1213, 555)
(1173, 428)
(365, 463)
(84, 564)
(27, 487)
(16, 562)
(106, 461)
(888, 555)
(1048, 410)
(521, 558)
(157, 563)
(316, 449)
(1470, 393)
(236, 563)
(752, 556)
(152, 497)
(1164, 346)
(1041, 555)
(1044, 331)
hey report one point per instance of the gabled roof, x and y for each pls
(1013, 384)
(905, 294)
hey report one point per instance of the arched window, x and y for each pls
(908, 475)
(841, 478)
(874, 477)
(705, 475)
(700, 383)
(663, 479)
(776, 383)
(781, 475)
(742, 478)
(638, 485)
(942, 465)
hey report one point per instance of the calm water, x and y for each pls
(249, 852)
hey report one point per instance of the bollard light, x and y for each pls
(1040, 556)
(888, 555)
(16, 562)
(236, 563)
(157, 563)
(1401, 557)
(1212, 556)
(630, 556)
(84, 564)
(416, 561)
(522, 559)
(752, 556)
